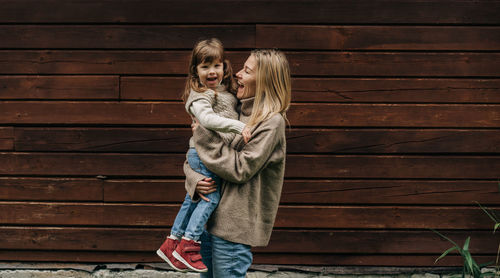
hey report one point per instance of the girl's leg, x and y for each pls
(182, 219)
(230, 259)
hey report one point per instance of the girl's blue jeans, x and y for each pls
(224, 258)
(192, 217)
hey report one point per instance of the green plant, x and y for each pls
(470, 266)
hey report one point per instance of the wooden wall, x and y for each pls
(395, 126)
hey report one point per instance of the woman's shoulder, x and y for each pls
(276, 121)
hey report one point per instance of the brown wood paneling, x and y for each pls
(59, 87)
(259, 258)
(123, 36)
(302, 11)
(301, 114)
(379, 90)
(157, 140)
(51, 189)
(143, 113)
(327, 217)
(167, 191)
(393, 90)
(247, 36)
(152, 88)
(428, 64)
(298, 166)
(327, 192)
(378, 37)
(167, 140)
(446, 192)
(393, 141)
(282, 241)
(6, 138)
(431, 64)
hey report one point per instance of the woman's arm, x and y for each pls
(197, 185)
(239, 166)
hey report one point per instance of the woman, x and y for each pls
(253, 172)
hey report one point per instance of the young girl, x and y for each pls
(209, 97)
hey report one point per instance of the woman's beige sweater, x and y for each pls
(253, 178)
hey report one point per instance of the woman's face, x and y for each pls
(246, 79)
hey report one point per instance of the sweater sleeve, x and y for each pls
(239, 166)
(192, 178)
(205, 114)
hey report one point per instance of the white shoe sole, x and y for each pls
(164, 257)
(181, 259)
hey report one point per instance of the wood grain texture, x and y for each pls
(300, 114)
(321, 192)
(377, 37)
(133, 62)
(123, 36)
(297, 217)
(6, 138)
(348, 90)
(298, 166)
(298, 11)
(51, 189)
(259, 258)
(305, 141)
(282, 241)
(59, 87)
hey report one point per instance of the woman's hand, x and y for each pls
(204, 187)
(246, 134)
(194, 124)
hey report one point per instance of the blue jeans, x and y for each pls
(224, 258)
(192, 216)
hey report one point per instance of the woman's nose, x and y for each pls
(238, 74)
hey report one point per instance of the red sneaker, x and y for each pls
(165, 252)
(188, 252)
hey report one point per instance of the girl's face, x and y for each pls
(246, 79)
(211, 74)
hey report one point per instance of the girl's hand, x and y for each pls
(205, 186)
(194, 124)
(246, 134)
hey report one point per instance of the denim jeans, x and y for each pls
(192, 217)
(224, 258)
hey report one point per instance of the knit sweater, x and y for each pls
(217, 113)
(253, 178)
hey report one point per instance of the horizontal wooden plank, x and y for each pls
(324, 192)
(59, 87)
(73, 112)
(282, 241)
(123, 36)
(6, 138)
(300, 114)
(317, 11)
(168, 140)
(328, 217)
(418, 64)
(51, 189)
(377, 37)
(298, 166)
(259, 258)
(248, 36)
(393, 90)
(390, 192)
(379, 90)
(151, 88)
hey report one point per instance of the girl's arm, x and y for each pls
(203, 111)
(240, 166)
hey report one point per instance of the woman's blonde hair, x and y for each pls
(207, 51)
(272, 85)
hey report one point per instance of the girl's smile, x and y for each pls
(211, 74)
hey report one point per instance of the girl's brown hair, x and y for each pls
(207, 51)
